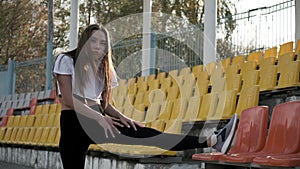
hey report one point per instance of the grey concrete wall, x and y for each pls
(40, 159)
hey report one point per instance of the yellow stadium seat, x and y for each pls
(55, 143)
(140, 79)
(138, 115)
(132, 88)
(178, 109)
(158, 125)
(289, 75)
(271, 52)
(142, 87)
(218, 85)
(248, 98)
(166, 110)
(160, 76)
(284, 59)
(51, 137)
(122, 90)
(119, 101)
(58, 108)
(52, 108)
(2, 133)
(173, 93)
(173, 126)
(29, 139)
(38, 120)
(226, 105)
(286, 47)
(210, 67)
(30, 120)
(37, 136)
(153, 84)
(185, 71)
(44, 136)
(248, 66)
(10, 121)
(7, 135)
(38, 109)
(26, 131)
(197, 69)
(139, 99)
(268, 74)
(166, 83)
(44, 120)
(50, 120)
(127, 111)
(193, 108)
(217, 73)
(18, 137)
(208, 106)
(45, 108)
(224, 63)
(238, 60)
(233, 82)
(158, 95)
(255, 56)
(152, 113)
(23, 120)
(13, 135)
(151, 77)
(250, 78)
(297, 50)
(122, 82)
(173, 73)
(16, 121)
(201, 87)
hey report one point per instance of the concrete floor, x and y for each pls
(5, 165)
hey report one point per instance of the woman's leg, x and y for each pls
(74, 142)
(151, 137)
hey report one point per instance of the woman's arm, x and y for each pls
(70, 102)
(112, 111)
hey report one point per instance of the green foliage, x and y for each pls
(23, 30)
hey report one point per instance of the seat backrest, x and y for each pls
(284, 129)
(252, 130)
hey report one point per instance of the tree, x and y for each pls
(23, 30)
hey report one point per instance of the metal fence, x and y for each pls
(256, 29)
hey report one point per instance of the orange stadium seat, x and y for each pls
(250, 134)
(285, 120)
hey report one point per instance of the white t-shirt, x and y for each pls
(64, 66)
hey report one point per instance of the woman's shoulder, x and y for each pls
(63, 56)
(63, 64)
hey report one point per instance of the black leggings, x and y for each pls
(78, 132)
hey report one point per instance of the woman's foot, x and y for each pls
(222, 138)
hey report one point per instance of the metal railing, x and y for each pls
(259, 29)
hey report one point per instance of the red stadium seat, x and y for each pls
(285, 120)
(250, 134)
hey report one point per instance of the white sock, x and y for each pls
(213, 140)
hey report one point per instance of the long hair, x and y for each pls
(104, 69)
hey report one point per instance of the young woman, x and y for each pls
(84, 80)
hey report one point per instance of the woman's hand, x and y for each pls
(109, 125)
(129, 122)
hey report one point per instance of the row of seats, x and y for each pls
(221, 88)
(24, 101)
(278, 145)
(42, 128)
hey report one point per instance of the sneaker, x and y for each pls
(225, 135)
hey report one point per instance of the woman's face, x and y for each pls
(98, 45)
